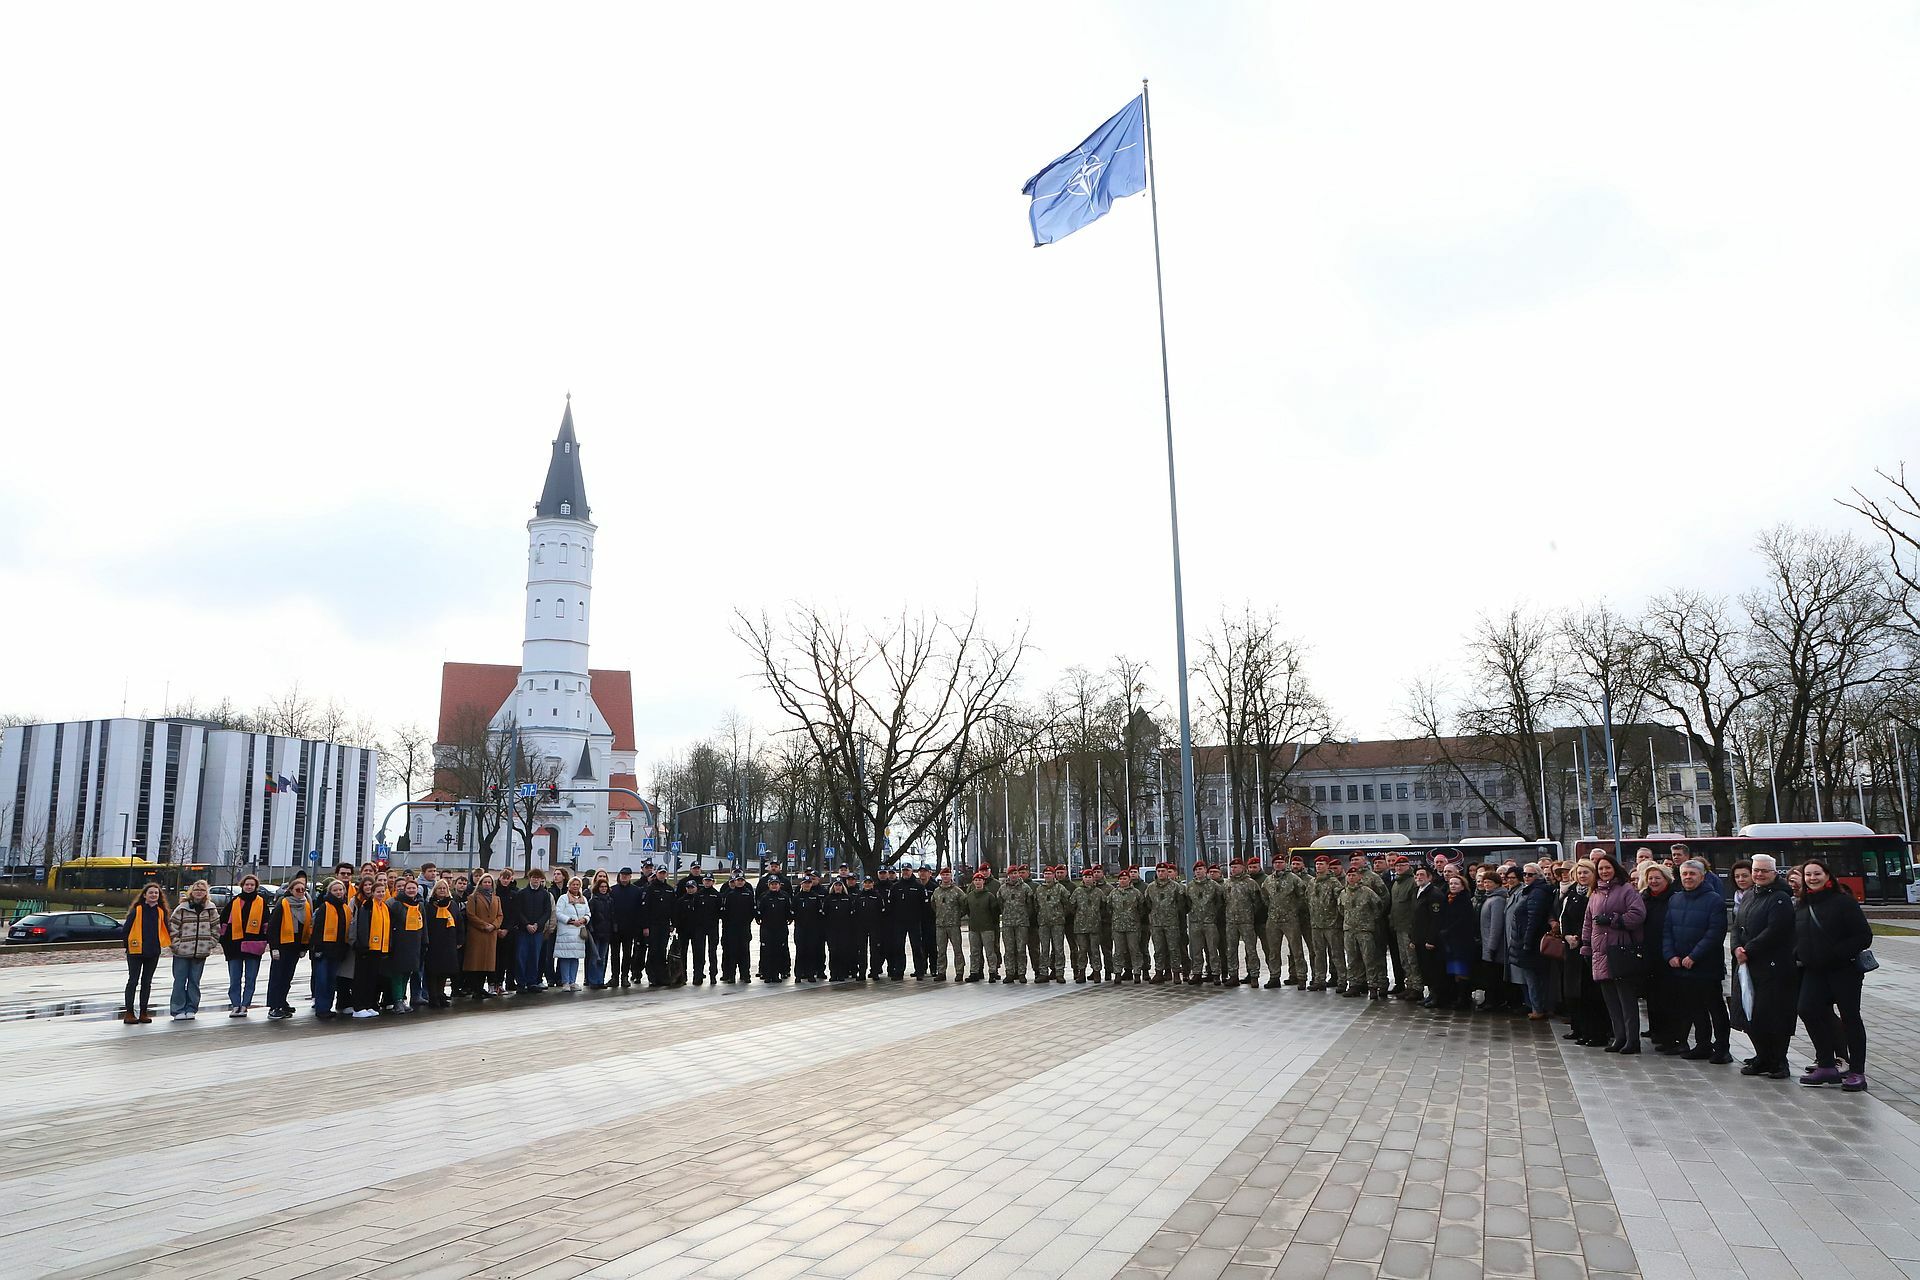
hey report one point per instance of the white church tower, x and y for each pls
(562, 732)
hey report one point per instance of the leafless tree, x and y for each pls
(406, 759)
(468, 766)
(1703, 670)
(897, 714)
(1489, 737)
(1896, 518)
(1265, 711)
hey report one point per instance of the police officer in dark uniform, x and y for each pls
(773, 908)
(810, 930)
(629, 948)
(846, 931)
(867, 892)
(911, 899)
(690, 949)
(737, 907)
(656, 919)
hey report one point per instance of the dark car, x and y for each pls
(65, 926)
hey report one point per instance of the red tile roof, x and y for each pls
(487, 685)
(617, 803)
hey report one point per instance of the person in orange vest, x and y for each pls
(244, 939)
(289, 934)
(147, 937)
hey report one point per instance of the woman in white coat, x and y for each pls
(571, 916)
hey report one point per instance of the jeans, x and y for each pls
(1822, 991)
(325, 971)
(567, 969)
(186, 985)
(1623, 1010)
(280, 978)
(243, 971)
(597, 964)
(527, 959)
(140, 979)
(1535, 981)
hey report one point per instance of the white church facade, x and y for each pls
(574, 723)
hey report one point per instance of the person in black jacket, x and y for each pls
(602, 925)
(629, 947)
(506, 973)
(846, 931)
(689, 922)
(1664, 1003)
(810, 930)
(736, 927)
(773, 908)
(1763, 933)
(903, 927)
(531, 911)
(1458, 935)
(1830, 932)
(656, 925)
(1424, 928)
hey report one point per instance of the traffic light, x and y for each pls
(552, 793)
(493, 793)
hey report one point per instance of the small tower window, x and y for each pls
(583, 611)
(563, 552)
(536, 606)
(540, 554)
(566, 508)
(560, 608)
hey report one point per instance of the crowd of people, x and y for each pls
(1589, 941)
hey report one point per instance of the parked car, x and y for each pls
(65, 926)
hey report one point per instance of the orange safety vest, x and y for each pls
(256, 917)
(136, 937)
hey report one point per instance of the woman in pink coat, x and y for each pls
(1616, 916)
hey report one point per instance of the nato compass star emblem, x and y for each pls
(1083, 180)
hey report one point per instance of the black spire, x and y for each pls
(585, 771)
(565, 495)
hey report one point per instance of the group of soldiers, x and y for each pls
(1324, 929)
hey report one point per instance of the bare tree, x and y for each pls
(1266, 712)
(406, 759)
(1896, 518)
(290, 714)
(1702, 669)
(897, 714)
(468, 766)
(1489, 738)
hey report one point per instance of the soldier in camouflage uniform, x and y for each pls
(1016, 921)
(1203, 903)
(1089, 905)
(1128, 918)
(1402, 899)
(1286, 898)
(1360, 909)
(1052, 901)
(983, 928)
(1243, 924)
(1325, 946)
(1166, 903)
(949, 909)
(1105, 888)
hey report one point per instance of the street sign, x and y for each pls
(762, 850)
(829, 853)
(576, 850)
(646, 845)
(676, 847)
(528, 791)
(381, 847)
(313, 856)
(793, 846)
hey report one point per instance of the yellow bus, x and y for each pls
(123, 873)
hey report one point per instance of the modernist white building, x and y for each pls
(180, 790)
(575, 723)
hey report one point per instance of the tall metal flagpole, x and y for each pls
(1900, 772)
(1187, 833)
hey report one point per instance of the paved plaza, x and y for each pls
(932, 1130)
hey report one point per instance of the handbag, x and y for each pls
(1865, 960)
(253, 947)
(1553, 946)
(1624, 960)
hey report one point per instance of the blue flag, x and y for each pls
(1082, 184)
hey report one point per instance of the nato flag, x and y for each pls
(1082, 184)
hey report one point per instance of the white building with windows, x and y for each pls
(181, 790)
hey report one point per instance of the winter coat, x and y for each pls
(446, 931)
(1627, 911)
(1016, 903)
(1765, 925)
(627, 899)
(533, 907)
(1696, 926)
(196, 933)
(1457, 926)
(1128, 908)
(1654, 930)
(983, 909)
(408, 942)
(949, 906)
(335, 918)
(1421, 921)
(601, 913)
(570, 929)
(1829, 932)
(1493, 927)
(484, 914)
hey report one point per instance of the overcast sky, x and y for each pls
(1465, 305)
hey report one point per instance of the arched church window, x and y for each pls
(560, 608)
(536, 606)
(540, 554)
(583, 611)
(563, 553)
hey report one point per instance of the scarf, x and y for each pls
(379, 927)
(256, 914)
(329, 920)
(415, 921)
(136, 929)
(295, 921)
(444, 913)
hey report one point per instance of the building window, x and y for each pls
(1506, 788)
(1453, 791)
(1702, 781)
(563, 553)
(1473, 822)
(1673, 780)
(1320, 793)
(1706, 815)
(1406, 820)
(1370, 823)
(1399, 791)
(537, 602)
(1213, 827)
(540, 554)
(1366, 792)
(583, 611)
(1212, 796)
(1419, 822)
(1320, 824)
(1419, 791)
(566, 508)
(1506, 816)
(1456, 821)
(1353, 794)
